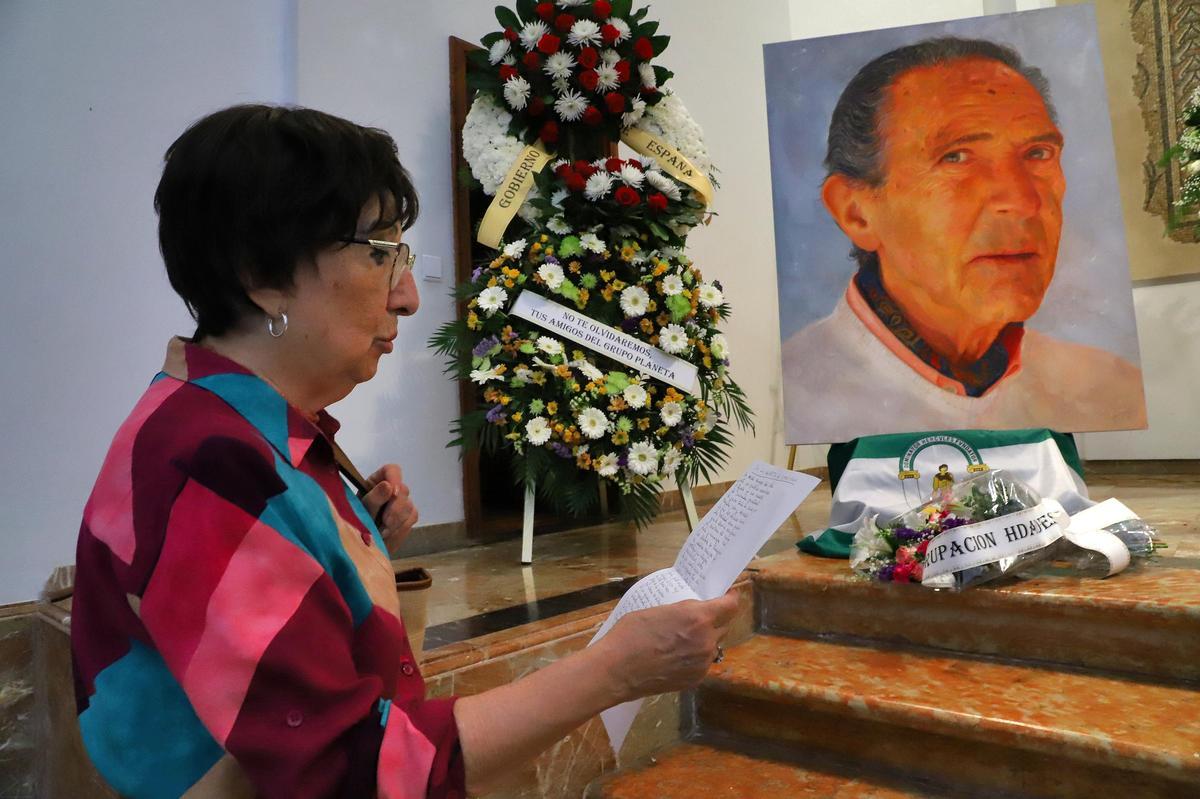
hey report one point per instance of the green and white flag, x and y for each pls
(890, 474)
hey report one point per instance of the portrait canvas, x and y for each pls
(949, 240)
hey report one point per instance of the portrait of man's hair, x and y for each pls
(949, 242)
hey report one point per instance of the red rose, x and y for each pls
(592, 116)
(643, 49)
(532, 61)
(584, 168)
(589, 57)
(622, 68)
(548, 44)
(537, 106)
(562, 170)
(634, 162)
(588, 79)
(545, 11)
(626, 196)
(657, 202)
(510, 34)
(574, 181)
(921, 547)
(903, 572)
(602, 8)
(564, 22)
(918, 573)
(609, 33)
(507, 71)
(615, 102)
(613, 164)
(549, 132)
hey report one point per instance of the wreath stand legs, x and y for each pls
(685, 494)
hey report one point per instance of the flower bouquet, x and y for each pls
(977, 531)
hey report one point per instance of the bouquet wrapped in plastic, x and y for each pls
(975, 531)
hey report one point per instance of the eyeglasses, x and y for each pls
(402, 260)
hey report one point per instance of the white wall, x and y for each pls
(92, 94)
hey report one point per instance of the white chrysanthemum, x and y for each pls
(592, 243)
(671, 413)
(643, 458)
(490, 151)
(609, 57)
(498, 50)
(556, 199)
(537, 431)
(646, 72)
(559, 226)
(559, 65)
(492, 299)
(607, 78)
(672, 460)
(634, 301)
(636, 109)
(673, 339)
(672, 253)
(552, 274)
(509, 60)
(556, 163)
(635, 395)
(561, 85)
(622, 28)
(648, 161)
(669, 120)
(515, 249)
(632, 176)
(710, 295)
(550, 345)
(639, 257)
(532, 33)
(481, 376)
(664, 184)
(571, 3)
(570, 105)
(588, 369)
(598, 186)
(719, 347)
(606, 465)
(592, 422)
(516, 92)
(672, 285)
(583, 33)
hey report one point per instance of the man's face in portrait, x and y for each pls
(967, 220)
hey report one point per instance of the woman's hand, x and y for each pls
(668, 648)
(388, 491)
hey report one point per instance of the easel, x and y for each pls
(685, 495)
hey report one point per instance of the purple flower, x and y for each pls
(550, 259)
(950, 522)
(623, 458)
(630, 324)
(561, 449)
(906, 533)
(476, 273)
(884, 575)
(496, 414)
(484, 347)
(688, 437)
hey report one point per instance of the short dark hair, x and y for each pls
(855, 147)
(250, 192)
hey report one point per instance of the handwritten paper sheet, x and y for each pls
(711, 559)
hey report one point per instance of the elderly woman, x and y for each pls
(236, 630)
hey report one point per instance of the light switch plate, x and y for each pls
(430, 267)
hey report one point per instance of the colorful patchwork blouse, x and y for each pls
(235, 625)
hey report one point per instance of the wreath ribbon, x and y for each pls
(669, 159)
(512, 193)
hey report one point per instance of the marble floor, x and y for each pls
(485, 589)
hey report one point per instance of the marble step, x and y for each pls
(983, 723)
(1145, 620)
(696, 770)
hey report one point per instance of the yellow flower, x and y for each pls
(543, 238)
(651, 306)
(620, 437)
(535, 247)
(516, 417)
(549, 251)
(606, 275)
(508, 283)
(492, 281)
(505, 399)
(472, 321)
(660, 267)
(552, 408)
(575, 266)
(617, 404)
(644, 423)
(538, 378)
(575, 387)
(646, 325)
(618, 285)
(584, 461)
(707, 361)
(607, 292)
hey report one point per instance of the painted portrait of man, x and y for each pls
(943, 171)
